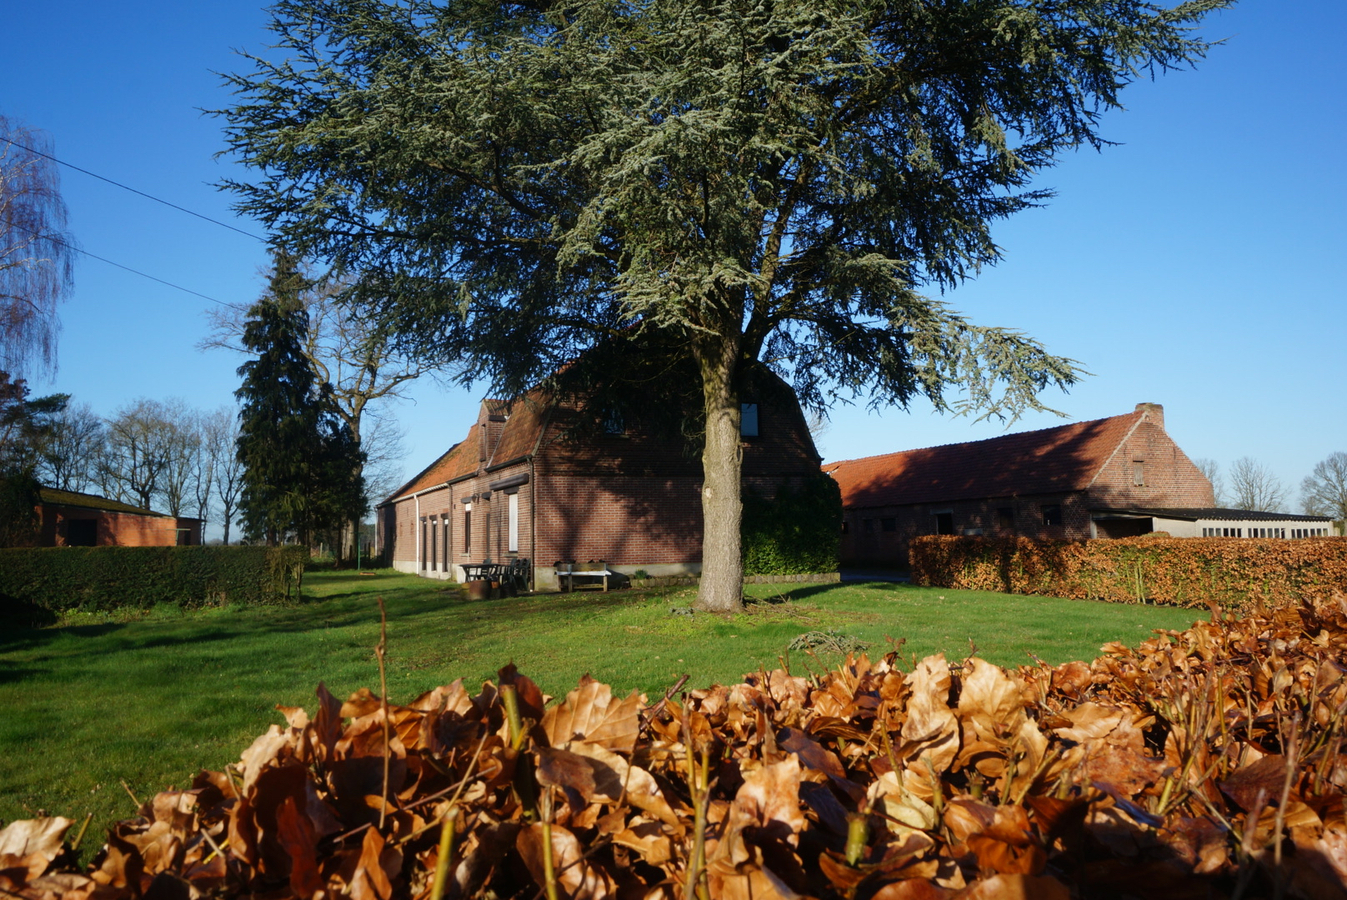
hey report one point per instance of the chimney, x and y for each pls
(1156, 411)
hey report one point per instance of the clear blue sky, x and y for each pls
(1196, 265)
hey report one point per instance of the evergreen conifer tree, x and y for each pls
(301, 473)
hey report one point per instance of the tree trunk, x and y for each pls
(722, 582)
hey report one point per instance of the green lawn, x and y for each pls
(150, 700)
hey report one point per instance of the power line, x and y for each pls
(132, 190)
(69, 246)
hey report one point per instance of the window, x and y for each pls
(614, 423)
(434, 546)
(748, 420)
(846, 527)
(868, 525)
(1005, 518)
(1052, 514)
(424, 553)
(444, 528)
(889, 523)
(942, 523)
(1138, 472)
(512, 504)
(467, 529)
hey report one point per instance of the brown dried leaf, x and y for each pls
(264, 751)
(580, 879)
(1267, 776)
(297, 836)
(560, 768)
(931, 730)
(377, 868)
(647, 838)
(32, 844)
(1016, 887)
(590, 714)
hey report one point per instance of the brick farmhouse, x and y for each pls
(73, 519)
(1109, 478)
(537, 479)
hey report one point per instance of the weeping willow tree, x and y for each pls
(37, 254)
(756, 182)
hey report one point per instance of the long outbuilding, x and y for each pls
(1117, 477)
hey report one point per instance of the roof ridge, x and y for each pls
(999, 437)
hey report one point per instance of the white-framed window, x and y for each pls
(467, 529)
(512, 507)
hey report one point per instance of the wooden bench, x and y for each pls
(568, 572)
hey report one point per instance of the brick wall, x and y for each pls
(880, 535)
(631, 499)
(115, 529)
(1168, 478)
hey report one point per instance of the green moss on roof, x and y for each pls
(90, 501)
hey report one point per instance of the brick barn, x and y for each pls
(73, 519)
(1085, 480)
(540, 480)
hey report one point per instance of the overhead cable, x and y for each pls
(131, 189)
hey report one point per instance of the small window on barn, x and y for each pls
(942, 522)
(1052, 514)
(868, 525)
(467, 529)
(614, 423)
(1005, 518)
(748, 420)
(1138, 472)
(889, 523)
(846, 527)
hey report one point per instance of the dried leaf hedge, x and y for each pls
(1206, 763)
(1238, 575)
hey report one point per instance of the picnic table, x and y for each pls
(482, 571)
(514, 573)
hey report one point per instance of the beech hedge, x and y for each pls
(1235, 574)
(61, 579)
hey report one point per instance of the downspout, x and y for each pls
(417, 521)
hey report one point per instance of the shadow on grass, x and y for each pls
(409, 607)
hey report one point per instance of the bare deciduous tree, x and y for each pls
(1324, 491)
(182, 445)
(1254, 486)
(136, 452)
(69, 460)
(1212, 470)
(219, 438)
(37, 255)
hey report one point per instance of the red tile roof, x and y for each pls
(459, 461)
(525, 420)
(1052, 460)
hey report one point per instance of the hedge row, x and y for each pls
(796, 532)
(1192, 572)
(60, 579)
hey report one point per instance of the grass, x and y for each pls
(147, 701)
